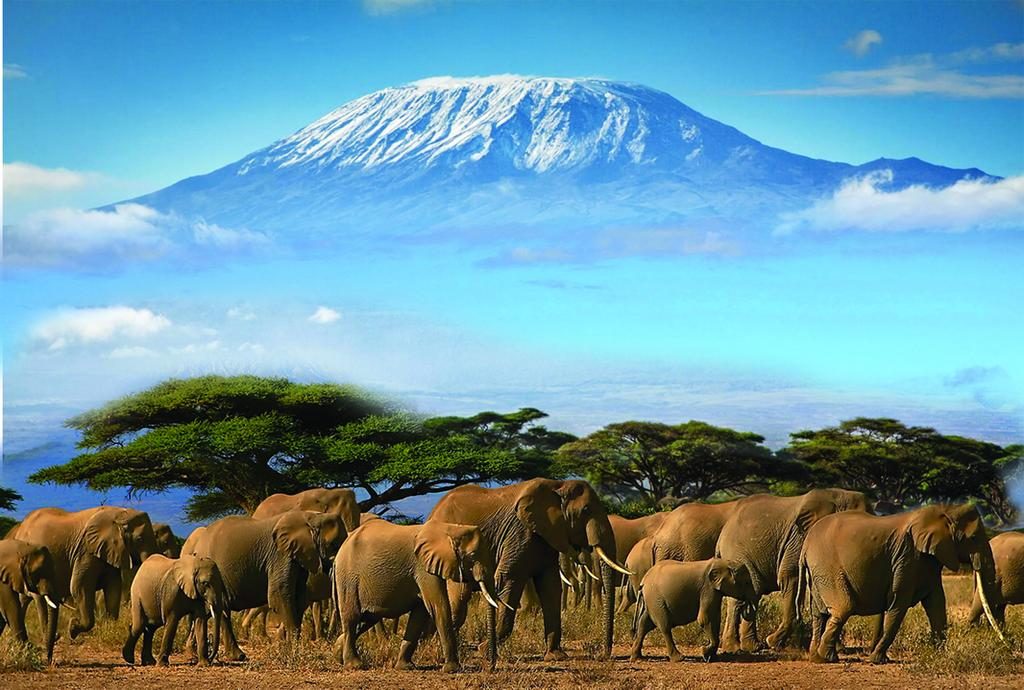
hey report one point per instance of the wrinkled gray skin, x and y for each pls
(638, 562)
(629, 531)
(339, 502)
(855, 564)
(528, 525)
(90, 549)
(26, 570)
(164, 591)
(766, 533)
(267, 562)
(1008, 552)
(385, 571)
(674, 593)
(691, 531)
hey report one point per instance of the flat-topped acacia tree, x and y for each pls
(233, 441)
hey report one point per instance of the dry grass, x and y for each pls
(967, 654)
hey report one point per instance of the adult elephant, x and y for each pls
(166, 542)
(691, 531)
(340, 502)
(26, 570)
(267, 562)
(91, 549)
(528, 525)
(1008, 554)
(765, 533)
(863, 565)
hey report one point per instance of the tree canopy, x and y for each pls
(8, 497)
(906, 465)
(651, 461)
(235, 440)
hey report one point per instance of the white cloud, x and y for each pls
(927, 74)
(196, 348)
(241, 314)
(378, 7)
(14, 71)
(128, 232)
(861, 42)
(863, 204)
(254, 348)
(25, 180)
(324, 315)
(131, 352)
(97, 324)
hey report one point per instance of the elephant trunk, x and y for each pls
(608, 579)
(602, 540)
(51, 631)
(492, 636)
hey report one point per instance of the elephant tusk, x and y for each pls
(984, 605)
(589, 571)
(566, 580)
(487, 596)
(212, 614)
(49, 601)
(507, 605)
(611, 564)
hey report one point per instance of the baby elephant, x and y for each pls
(26, 570)
(165, 590)
(385, 571)
(675, 593)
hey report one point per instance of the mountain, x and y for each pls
(507, 152)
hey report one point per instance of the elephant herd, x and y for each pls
(826, 554)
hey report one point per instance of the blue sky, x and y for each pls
(106, 101)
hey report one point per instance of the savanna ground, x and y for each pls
(970, 658)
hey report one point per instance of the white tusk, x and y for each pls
(211, 611)
(487, 596)
(566, 580)
(589, 571)
(611, 564)
(507, 605)
(49, 601)
(984, 605)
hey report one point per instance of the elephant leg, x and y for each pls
(316, 611)
(147, 645)
(749, 641)
(11, 613)
(826, 650)
(787, 611)
(712, 627)
(934, 605)
(818, 621)
(549, 591)
(459, 595)
(731, 639)
(891, 626)
(201, 633)
(414, 628)
(285, 608)
(643, 626)
(112, 596)
(135, 629)
(232, 652)
(511, 593)
(170, 630)
(345, 647)
(435, 598)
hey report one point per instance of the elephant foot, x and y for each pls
(162, 661)
(879, 658)
(635, 657)
(555, 655)
(355, 665)
(202, 661)
(753, 646)
(405, 665)
(776, 640)
(675, 657)
(128, 656)
(148, 661)
(709, 653)
(235, 655)
(730, 646)
(451, 667)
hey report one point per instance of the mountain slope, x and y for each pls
(446, 154)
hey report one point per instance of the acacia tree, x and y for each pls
(650, 461)
(905, 465)
(8, 497)
(235, 440)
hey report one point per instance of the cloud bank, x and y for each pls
(14, 71)
(861, 42)
(863, 204)
(97, 324)
(25, 180)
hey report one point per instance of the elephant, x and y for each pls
(91, 549)
(691, 531)
(26, 570)
(627, 533)
(164, 591)
(166, 542)
(267, 562)
(1008, 552)
(856, 564)
(340, 502)
(766, 533)
(385, 571)
(638, 562)
(527, 526)
(673, 593)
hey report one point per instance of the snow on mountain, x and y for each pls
(449, 154)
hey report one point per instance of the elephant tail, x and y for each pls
(803, 587)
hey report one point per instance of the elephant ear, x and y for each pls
(185, 574)
(295, 537)
(331, 532)
(104, 537)
(935, 537)
(540, 509)
(813, 509)
(12, 570)
(438, 550)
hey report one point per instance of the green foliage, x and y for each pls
(8, 498)
(650, 461)
(236, 440)
(907, 465)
